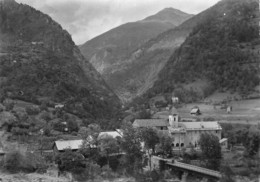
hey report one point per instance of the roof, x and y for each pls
(223, 140)
(173, 111)
(158, 99)
(112, 134)
(194, 110)
(150, 123)
(201, 125)
(68, 144)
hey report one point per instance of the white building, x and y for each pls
(184, 133)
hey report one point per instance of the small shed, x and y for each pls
(229, 109)
(195, 111)
(224, 144)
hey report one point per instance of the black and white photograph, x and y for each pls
(129, 90)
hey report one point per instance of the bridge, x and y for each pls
(190, 168)
(196, 169)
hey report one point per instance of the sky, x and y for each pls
(86, 19)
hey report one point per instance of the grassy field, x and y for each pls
(244, 112)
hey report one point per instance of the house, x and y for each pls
(59, 106)
(184, 133)
(62, 145)
(158, 102)
(112, 134)
(46, 148)
(195, 111)
(229, 109)
(159, 124)
(224, 144)
(175, 100)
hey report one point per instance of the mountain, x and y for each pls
(221, 53)
(140, 69)
(111, 49)
(40, 63)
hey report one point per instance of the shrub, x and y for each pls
(13, 161)
(32, 110)
(16, 161)
(70, 161)
(9, 106)
(43, 106)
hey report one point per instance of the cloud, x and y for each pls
(85, 19)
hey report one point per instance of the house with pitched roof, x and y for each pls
(74, 145)
(112, 134)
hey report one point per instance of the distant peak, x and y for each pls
(171, 10)
(169, 14)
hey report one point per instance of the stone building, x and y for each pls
(183, 133)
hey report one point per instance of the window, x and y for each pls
(161, 128)
(216, 131)
(182, 144)
(177, 144)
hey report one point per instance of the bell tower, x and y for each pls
(173, 120)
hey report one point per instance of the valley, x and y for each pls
(173, 96)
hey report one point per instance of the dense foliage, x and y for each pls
(219, 50)
(248, 136)
(211, 150)
(41, 64)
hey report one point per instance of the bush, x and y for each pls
(13, 161)
(9, 106)
(32, 110)
(70, 161)
(16, 162)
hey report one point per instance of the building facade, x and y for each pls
(183, 133)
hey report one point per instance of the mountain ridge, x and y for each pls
(108, 51)
(227, 38)
(40, 60)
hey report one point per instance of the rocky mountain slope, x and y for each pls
(108, 51)
(141, 68)
(40, 63)
(222, 51)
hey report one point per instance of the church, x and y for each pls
(184, 133)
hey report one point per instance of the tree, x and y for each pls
(13, 161)
(131, 145)
(70, 161)
(144, 114)
(90, 141)
(252, 141)
(165, 143)
(211, 150)
(227, 174)
(107, 146)
(150, 138)
(72, 125)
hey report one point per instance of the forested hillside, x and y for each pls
(41, 64)
(222, 50)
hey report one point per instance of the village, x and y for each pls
(170, 138)
(129, 91)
